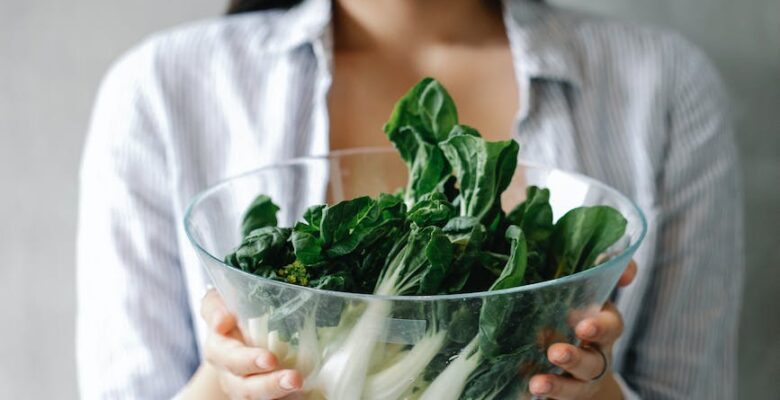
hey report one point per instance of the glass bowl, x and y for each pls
(356, 346)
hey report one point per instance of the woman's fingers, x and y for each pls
(583, 364)
(232, 355)
(558, 387)
(628, 275)
(603, 328)
(224, 349)
(216, 315)
(268, 386)
(247, 372)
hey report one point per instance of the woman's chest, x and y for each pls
(365, 88)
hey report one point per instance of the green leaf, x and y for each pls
(581, 235)
(432, 209)
(428, 172)
(372, 221)
(493, 377)
(313, 216)
(462, 130)
(420, 267)
(439, 253)
(495, 323)
(341, 218)
(261, 213)
(307, 246)
(262, 250)
(332, 232)
(339, 281)
(484, 170)
(514, 271)
(437, 110)
(467, 235)
(420, 120)
(428, 108)
(534, 216)
(534, 196)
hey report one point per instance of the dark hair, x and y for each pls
(242, 6)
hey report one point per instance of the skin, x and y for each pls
(390, 45)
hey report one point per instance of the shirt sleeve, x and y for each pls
(134, 331)
(684, 346)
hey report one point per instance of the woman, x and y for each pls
(639, 109)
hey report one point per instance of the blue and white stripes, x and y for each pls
(636, 108)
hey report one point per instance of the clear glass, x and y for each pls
(328, 335)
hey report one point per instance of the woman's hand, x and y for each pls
(588, 366)
(244, 372)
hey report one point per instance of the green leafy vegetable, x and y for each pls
(445, 232)
(421, 120)
(514, 271)
(261, 213)
(581, 235)
(483, 169)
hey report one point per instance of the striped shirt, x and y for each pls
(639, 109)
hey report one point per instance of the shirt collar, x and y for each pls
(540, 38)
(305, 23)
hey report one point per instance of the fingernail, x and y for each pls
(263, 362)
(541, 387)
(286, 382)
(561, 356)
(589, 330)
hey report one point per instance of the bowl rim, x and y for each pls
(618, 259)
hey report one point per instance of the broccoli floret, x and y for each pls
(294, 273)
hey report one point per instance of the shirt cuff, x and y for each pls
(628, 393)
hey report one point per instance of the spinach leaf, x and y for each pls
(467, 235)
(421, 266)
(495, 322)
(483, 169)
(261, 213)
(342, 218)
(306, 244)
(439, 254)
(330, 232)
(534, 216)
(428, 108)
(514, 271)
(432, 209)
(262, 251)
(492, 378)
(581, 235)
(420, 120)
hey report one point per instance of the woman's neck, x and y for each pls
(407, 25)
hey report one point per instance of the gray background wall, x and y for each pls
(53, 53)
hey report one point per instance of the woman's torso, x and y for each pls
(241, 92)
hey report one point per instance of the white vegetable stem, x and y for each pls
(258, 331)
(392, 382)
(308, 359)
(451, 382)
(343, 374)
(277, 346)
